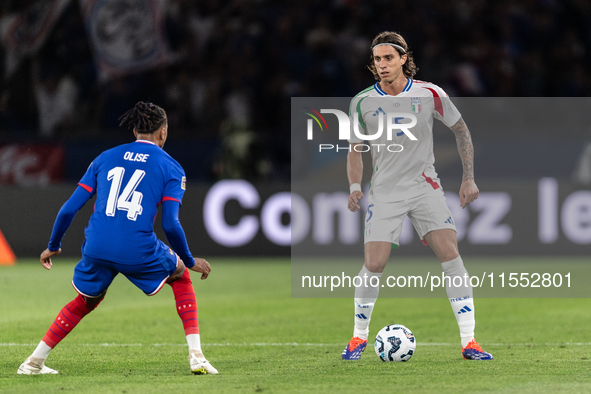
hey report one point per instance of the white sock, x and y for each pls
(42, 351)
(194, 342)
(460, 297)
(365, 299)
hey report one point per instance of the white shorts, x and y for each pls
(427, 212)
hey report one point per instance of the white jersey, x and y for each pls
(410, 172)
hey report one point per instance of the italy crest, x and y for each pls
(415, 104)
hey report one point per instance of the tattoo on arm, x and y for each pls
(465, 148)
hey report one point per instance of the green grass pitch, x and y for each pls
(262, 340)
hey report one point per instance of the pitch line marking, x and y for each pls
(299, 344)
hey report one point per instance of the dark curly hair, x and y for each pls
(409, 68)
(145, 118)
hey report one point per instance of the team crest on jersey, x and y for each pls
(415, 105)
(184, 183)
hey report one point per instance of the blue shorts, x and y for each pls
(93, 276)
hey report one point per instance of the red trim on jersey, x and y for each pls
(438, 105)
(85, 187)
(169, 199)
(424, 242)
(431, 181)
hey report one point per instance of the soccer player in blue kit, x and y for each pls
(130, 181)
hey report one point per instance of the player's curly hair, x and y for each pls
(409, 68)
(145, 118)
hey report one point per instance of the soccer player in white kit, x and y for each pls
(404, 183)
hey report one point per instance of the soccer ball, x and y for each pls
(395, 343)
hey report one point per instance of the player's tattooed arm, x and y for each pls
(468, 189)
(465, 148)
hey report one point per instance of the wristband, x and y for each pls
(356, 187)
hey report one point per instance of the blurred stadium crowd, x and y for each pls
(231, 66)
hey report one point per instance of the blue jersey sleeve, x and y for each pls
(175, 185)
(174, 231)
(88, 181)
(66, 215)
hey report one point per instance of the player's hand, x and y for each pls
(354, 200)
(468, 193)
(201, 266)
(46, 257)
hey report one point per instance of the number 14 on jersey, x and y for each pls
(129, 200)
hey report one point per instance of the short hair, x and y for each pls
(145, 118)
(409, 68)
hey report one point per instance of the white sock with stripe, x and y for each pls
(460, 296)
(365, 299)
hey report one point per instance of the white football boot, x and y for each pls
(35, 366)
(199, 365)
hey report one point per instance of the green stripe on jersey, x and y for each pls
(364, 91)
(361, 122)
(357, 95)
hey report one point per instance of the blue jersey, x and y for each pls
(130, 181)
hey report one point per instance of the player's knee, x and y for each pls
(92, 303)
(180, 274)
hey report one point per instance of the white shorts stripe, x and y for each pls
(159, 286)
(82, 294)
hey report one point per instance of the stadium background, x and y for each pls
(225, 72)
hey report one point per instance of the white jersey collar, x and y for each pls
(145, 142)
